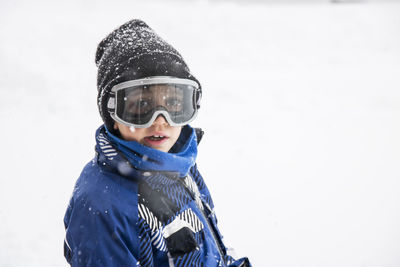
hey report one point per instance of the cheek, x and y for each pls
(176, 133)
(129, 135)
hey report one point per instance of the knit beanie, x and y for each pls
(130, 52)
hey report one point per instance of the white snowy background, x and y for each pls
(301, 111)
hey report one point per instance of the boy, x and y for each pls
(141, 201)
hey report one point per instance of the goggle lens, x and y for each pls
(137, 104)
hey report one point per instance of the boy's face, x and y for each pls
(160, 135)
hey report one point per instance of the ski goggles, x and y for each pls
(138, 103)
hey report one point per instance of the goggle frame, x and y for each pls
(112, 101)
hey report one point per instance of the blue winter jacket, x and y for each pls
(137, 206)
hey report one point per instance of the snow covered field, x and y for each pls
(301, 110)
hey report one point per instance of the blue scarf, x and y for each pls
(180, 159)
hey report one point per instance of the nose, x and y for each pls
(160, 120)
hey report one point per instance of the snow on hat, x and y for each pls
(130, 52)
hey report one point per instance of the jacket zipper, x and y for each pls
(206, 219)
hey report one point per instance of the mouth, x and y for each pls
(156, 139)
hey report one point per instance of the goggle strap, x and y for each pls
(111, 104)
(198, 98)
